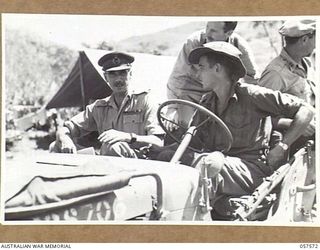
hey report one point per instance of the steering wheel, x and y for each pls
(200, 108)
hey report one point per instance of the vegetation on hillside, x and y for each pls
(166, 42)
(34, 68)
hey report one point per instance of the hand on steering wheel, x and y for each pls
(199, 108)
(172, 119)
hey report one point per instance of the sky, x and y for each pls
(73, 30)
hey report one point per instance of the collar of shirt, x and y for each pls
(203, 38)
(211, 97)
(109, 101)
(293, 65)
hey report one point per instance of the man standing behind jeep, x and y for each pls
(184, 82)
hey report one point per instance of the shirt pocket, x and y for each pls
(133, 122)
(242, 128)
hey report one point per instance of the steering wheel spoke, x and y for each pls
(199, 108)
(175, 123)
(203, 122)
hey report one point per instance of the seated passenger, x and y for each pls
(126, 121)
(245, 109)
(292, 71)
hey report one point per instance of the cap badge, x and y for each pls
(116, 60)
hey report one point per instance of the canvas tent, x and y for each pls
(86, 82)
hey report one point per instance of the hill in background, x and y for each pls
(35, 69)
(261, 36)
(166, 42)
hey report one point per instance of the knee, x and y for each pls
(165, 155)
(110, 150)
(214, 163)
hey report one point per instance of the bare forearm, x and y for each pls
(64, 141)
(150, 139)
(282, 123)
(62, 133)
(111, 136)
(299, 124)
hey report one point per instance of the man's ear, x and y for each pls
(304, 38)
(218, 67)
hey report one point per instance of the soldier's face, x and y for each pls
(207, 73)
(215, 32)
(213, 75)
(118, 80)
(310, 44)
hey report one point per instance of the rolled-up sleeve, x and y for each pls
(82, 123)
(276, 103)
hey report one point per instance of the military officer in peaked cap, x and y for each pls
(125, 121)
(243, 108)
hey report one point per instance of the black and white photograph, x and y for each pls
(110, 119)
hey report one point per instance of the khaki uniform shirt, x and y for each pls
(137, 114)
(184, 82)
(287, 76)
(246, 116)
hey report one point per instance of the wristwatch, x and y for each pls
(284, 146)
(133, 138)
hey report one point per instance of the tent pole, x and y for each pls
(82, 81)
